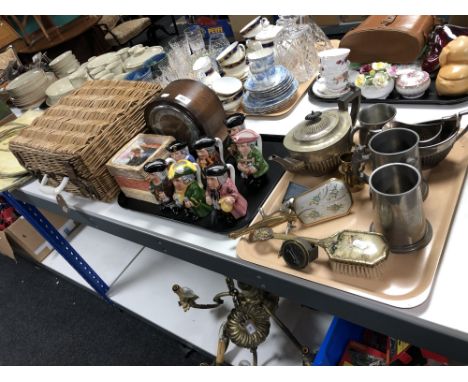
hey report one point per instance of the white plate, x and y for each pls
(227, 86)
(135, 62)
(25, 78)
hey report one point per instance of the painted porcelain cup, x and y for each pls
(234, 53)
(262, 64)
(334, 68)
(333, 60)
(254, 27)
(336, 82)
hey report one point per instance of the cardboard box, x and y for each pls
(22, 238)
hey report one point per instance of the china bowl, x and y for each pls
(62, 59)
(59, 88)
(227, 86)
(412, 84)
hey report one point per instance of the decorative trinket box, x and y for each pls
(127, 166)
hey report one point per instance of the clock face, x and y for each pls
(168, 120)
(297, 253)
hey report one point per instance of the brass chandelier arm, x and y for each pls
(305, 351)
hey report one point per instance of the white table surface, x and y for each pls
(445, 306)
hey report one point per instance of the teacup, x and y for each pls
(267, 36)
(333, 61)
(254, 27)
(253, 45)
(235, 66)
(262, 63)
(232, 54)
(336, 82)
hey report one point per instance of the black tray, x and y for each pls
(255, 196)
(430, 97)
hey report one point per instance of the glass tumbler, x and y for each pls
(180, 45)
(217, 43)
(194, 36)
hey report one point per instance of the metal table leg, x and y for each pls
(60, 244)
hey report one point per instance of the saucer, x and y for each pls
(321, 91)
(281, 74)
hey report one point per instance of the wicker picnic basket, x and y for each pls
(77, 136)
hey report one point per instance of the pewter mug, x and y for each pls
(372, 121)
(397, 207)
(396, 145)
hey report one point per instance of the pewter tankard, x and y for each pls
(398, 207)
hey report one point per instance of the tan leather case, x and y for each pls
(394, 39)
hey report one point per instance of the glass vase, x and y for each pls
(295, 50)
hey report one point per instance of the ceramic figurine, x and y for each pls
(207, 154)
(221, 191)
(188, 190)
(250, 161)
(234, 124)
(160, 186)
(179, 150)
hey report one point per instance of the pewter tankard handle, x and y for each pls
(353, 96)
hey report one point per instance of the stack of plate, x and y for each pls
(27, 91)
(273, 95)
(64, 64)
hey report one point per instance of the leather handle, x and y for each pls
(388, 20)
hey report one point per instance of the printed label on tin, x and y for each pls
(185, 100)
